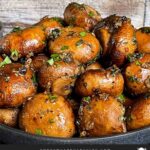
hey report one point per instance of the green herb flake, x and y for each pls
(87, 99)
(51, 121)
(5, 61)
(50, 61)
(57, 19)
(38, 132)
(135, 56)
(64, 47)
(34, 79)
(79, 42)
(14, 54)
(54, 58)
(82, 34)
(16, 29)
(114, 70)
(121, 98)
(91, 14)
(52, 98)
(133, 79)
(138, 63)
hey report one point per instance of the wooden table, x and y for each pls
(30, 11)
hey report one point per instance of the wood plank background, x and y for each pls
(30, 11)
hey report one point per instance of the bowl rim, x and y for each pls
(34, 136)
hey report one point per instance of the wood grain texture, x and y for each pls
(147, 13)
(30, 11)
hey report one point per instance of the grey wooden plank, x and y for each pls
(30, 11)
(147, 13)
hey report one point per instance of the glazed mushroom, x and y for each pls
(48, 115)
(138, 115)
(100, 81)
(143, 39)
(9, 116)
(117, 37)
(58, 75)
(101, 115)
(137, 74)
(16, 85)
(81, 45)
(81, 15)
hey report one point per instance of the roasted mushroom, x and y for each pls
(58, 75)
(117, 37)
(77, 43)
(9, 116)
(143, 39)
(100, 81)
(16, 85)
(81, 15)
(101, 115)
(137, 74)
(48, 115)
(138, 115)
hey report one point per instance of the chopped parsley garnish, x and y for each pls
(14, 55)
(50, 61)
(114, 70)
(52, 98)
(87, 99)
(138, 63)
(38, 132)
(133, 57)
(121, 98)
(133, 79)
(82, 34)
(54, 58)
(5, 61)
(91, 14)
(16, 29)
(57, 19)
(34, 79)
(64, 47)
(80, 42)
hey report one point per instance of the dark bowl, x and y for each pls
(15, 136)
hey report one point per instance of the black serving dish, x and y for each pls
(14, 136)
